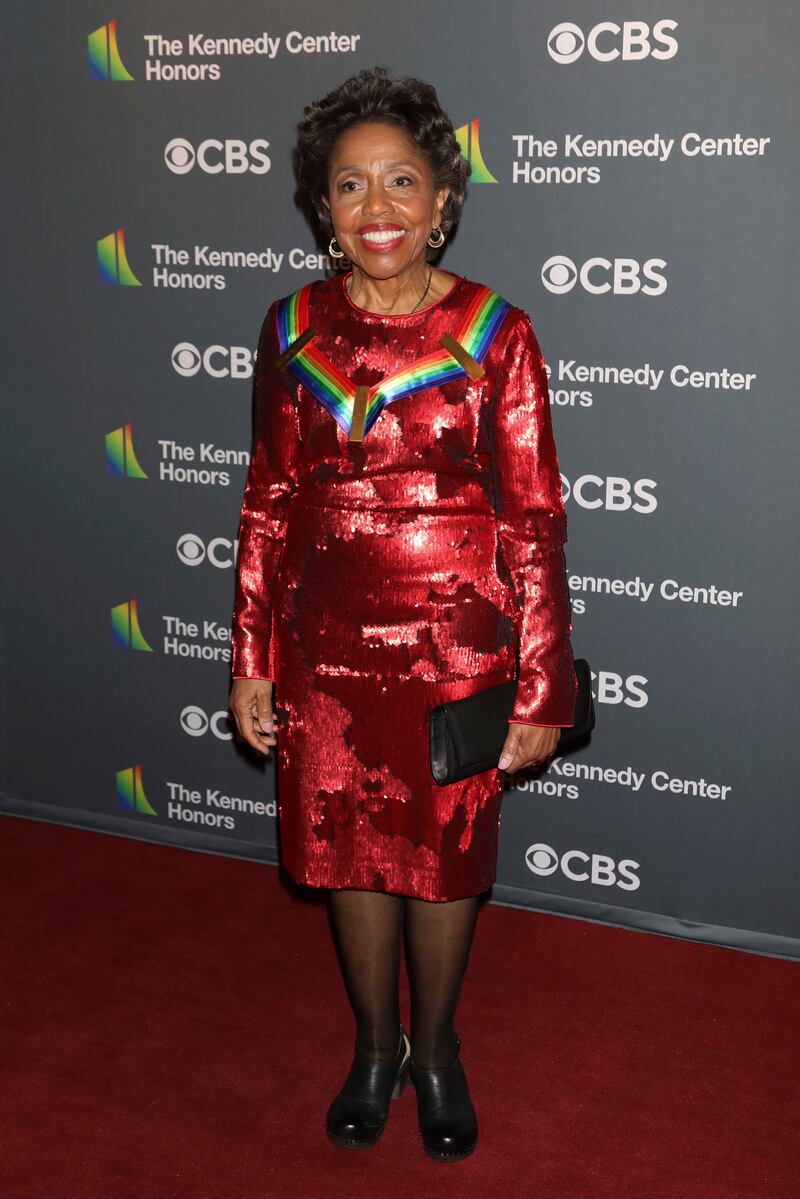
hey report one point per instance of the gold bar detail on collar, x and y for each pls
(283, 360)
(462, 357)
(359, 414)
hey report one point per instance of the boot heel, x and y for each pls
(400, 1085)
(402, 1078)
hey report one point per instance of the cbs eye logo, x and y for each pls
(186, 359)
(631, 41)
(580, 867)
(541, 859)
(220, 362)
(614, 493)
(195, 722)
(231, 157)
(599, 276)
(219, 552)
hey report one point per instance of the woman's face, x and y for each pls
(381, 198)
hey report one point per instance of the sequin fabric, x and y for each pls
(376, 579)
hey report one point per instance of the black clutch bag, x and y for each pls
(467, 735)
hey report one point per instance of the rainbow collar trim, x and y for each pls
(356, 407)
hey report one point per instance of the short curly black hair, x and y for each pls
(374, 95)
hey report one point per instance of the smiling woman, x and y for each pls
(378, 158)
(401, 545)
(380, 191)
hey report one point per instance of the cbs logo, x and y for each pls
(598, 276)
(631, 41)
(613, 493)
(612, 688)
(220, 362)
(196, 723)
(580, 867)
(233, 157)
(219, 551)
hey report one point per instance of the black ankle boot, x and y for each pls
(447, 1122)
(357, 1117)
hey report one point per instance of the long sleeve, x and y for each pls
(271, 482)
(532, 530)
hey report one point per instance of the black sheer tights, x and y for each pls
(368, 928)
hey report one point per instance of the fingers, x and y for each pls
(250, 732)
(527, 745)
(251, 705)
(265, 717)
(262, 724)
(510, 750)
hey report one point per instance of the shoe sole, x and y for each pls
(448, 1157)
(343, 1143)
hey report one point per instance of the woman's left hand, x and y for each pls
(527, 745)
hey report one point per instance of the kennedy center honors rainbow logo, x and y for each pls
(112, 261)
(125, 630)
(120, 455)
(468, 138)
(105, 62)
(130, 792)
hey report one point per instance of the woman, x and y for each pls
(401, 544)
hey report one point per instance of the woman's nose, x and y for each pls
(377, 201)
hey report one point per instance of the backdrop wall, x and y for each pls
(634, 167)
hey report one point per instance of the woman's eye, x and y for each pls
(351, 184)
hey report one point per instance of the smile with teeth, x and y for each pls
(384, 235)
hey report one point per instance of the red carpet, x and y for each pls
(174, 1025)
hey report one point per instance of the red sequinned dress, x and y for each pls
(380, 577)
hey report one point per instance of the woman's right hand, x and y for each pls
(251, 705)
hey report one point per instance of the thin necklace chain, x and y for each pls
(416, 306)
(424, 294)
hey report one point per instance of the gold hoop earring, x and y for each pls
(338, 253)
(437, 244)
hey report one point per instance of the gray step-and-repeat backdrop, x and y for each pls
(634, 172)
